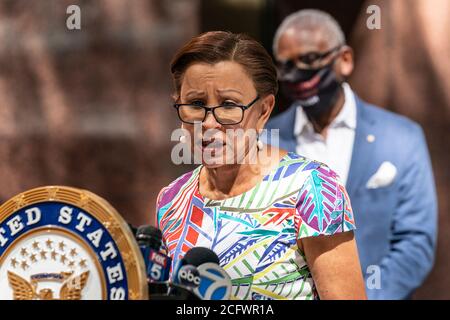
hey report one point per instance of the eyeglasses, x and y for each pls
(226, 114)
(306, 61)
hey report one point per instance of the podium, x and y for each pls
(64, 243)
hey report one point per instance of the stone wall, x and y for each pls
(90, 108)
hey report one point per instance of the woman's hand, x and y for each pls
(335, 267)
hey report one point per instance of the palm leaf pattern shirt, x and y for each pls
(255, 234)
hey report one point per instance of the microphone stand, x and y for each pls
(170, 291)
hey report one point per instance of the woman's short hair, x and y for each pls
(217, 46)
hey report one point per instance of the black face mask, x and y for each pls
(316, 90)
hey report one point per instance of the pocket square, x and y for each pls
(384, 176)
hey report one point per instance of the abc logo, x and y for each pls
(215, 284)
(189, 276)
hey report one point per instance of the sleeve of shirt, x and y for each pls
(157, 220)
(158, 206)
(323, 206)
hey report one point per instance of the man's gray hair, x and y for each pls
(311, 19)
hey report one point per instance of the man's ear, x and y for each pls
(267, 105)
(346, 63)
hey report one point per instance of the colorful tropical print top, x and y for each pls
(255, 234)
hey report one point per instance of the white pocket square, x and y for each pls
(384, 176)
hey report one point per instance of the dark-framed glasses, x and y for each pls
(308, 60)
(226, 114)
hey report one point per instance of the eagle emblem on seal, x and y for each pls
(25, 290)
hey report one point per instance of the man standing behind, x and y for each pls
(380, 156)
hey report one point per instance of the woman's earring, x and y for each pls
(183, 139)
(259, 144)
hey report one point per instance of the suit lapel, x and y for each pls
(362, 148)
(287, 124)
(287, 129)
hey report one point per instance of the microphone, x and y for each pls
(157, 264)
(200, 273)
(185, 278)
(215, 283)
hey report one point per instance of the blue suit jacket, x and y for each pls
(396, 225)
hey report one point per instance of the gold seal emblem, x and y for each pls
(70, 290)
(63, 243)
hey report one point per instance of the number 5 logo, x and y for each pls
(155, 271)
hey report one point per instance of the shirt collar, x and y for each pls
(346, 117)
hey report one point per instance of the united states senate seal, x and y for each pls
(63, 243)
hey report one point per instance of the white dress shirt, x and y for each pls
(336, 150)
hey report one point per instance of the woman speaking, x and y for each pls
(281, 225)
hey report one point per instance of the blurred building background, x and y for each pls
(91, 108)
